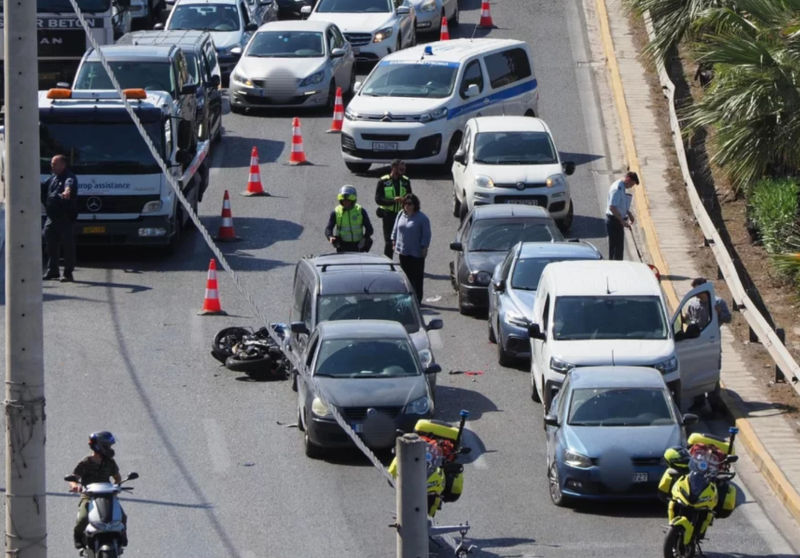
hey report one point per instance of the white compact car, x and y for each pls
(511, 159)
(374, 28)
(430, 14)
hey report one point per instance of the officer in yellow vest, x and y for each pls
(349, 228)
(389, 194)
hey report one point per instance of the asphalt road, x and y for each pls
(222, 468)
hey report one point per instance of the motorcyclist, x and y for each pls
(349, 228)
(97, 467)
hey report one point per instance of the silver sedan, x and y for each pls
(293, 63)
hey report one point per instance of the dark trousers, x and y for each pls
(388, 224)
(58, 235)
(616, 238)
(414, 269)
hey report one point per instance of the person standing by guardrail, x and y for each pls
(60, 199)
(618, 215)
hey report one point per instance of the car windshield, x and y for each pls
(620, 407)
(286, 44)
(153, 76)
(354, 6)
(515, 148)
(205, 17)
(499, 235)
(366, 358)
(609, 317)
(527, 272)
(399, 307)
(409, 79)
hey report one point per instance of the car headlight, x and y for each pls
(382, 35)
(575, 459)
(426, 358)
(152, 206)
(479, 278)
(428, 6)
(319, 408)
(560, 366)
(555, 181)
(667, 366)
(419, 406)
(313, 79)
(484, 182)
(517, 319)
(435, 114)
(238, 77)
(350, 114)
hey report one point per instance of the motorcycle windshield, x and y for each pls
(105, 508)
(697, 484)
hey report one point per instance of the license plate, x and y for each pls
(640, 477)
(94, 230)
(384, 146)
(523, 202)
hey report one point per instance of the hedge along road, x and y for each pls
(222, 473)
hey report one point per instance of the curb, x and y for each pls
(764, 462)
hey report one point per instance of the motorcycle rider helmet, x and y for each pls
(347, 192)
(101, 442)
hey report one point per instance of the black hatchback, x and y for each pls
(484, 238)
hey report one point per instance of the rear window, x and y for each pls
(507, 67)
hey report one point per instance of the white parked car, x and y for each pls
(430, 14)
(373, 27)
(511, 159)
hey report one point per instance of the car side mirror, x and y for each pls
(158, 26)
(299, 327)
(500, 285)
(189, 89)
(433, 369)
(72, 478)
(132, 476)
(250, 27)
(214, 81)
(305, 11)
(569, 167)
(457, 246)
(550, 420)
(337, 53)
(435, 323)
(357, 87)
(402, 10)
(472, 90)
(690, 419)
(535, 332)
(460, 157)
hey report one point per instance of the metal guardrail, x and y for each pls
(758, 324)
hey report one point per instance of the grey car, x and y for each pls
(293, 63)
(484, 238)
(370, 372)
(513, 289)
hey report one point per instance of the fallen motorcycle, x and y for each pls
(255, 353)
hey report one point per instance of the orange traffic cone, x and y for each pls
(338, 113)
(444, 33)
(226, 232)
(211, 301)
(486, 16)
(297, 156)
(254, 187)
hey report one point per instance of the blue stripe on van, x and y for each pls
(494, 98)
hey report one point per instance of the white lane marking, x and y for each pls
(217, 447)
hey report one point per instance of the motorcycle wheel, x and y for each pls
(249, 366)
(222, 347)
(673, 544)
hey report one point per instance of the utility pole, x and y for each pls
(26, 528)
(412, 497)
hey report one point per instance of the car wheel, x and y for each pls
(556, 495)
(357, 168)
(455, 141)
(715, 400)
(351, 88)
(300, 426)
(313, 451)
(462, 309)
(534, 392)
(503, 357)
(492, 338)
(413, 40)
(236, 109)
(331, 95)
(565, 223)
(456, 204)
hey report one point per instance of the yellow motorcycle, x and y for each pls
(697, 487)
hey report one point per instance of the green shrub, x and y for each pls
(772, 206)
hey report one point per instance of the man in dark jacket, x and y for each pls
(60, 199)
(389, 194)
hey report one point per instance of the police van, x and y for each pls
(414, 103)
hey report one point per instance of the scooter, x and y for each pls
(698, 489)
(105, 531)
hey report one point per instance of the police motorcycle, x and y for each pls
(445, 473)
(697, 488)
(105, 531)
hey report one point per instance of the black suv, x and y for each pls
(201, 56)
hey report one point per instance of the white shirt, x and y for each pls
(616, 198)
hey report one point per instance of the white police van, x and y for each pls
(414, 103)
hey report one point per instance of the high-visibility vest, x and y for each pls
(389, 193)
(349, 224)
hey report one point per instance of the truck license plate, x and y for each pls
(384, 146)
(640, 477)
(94, 230)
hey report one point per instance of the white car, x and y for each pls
(430, 14)
(374, 28)
(511, 159)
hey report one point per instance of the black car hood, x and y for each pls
(484, 261)
(372, 392)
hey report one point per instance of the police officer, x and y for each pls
(349, 228)
(60, 199)
(389, 194)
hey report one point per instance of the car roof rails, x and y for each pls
(393, 266)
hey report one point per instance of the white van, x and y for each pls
(590, 313)
(414, 103)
